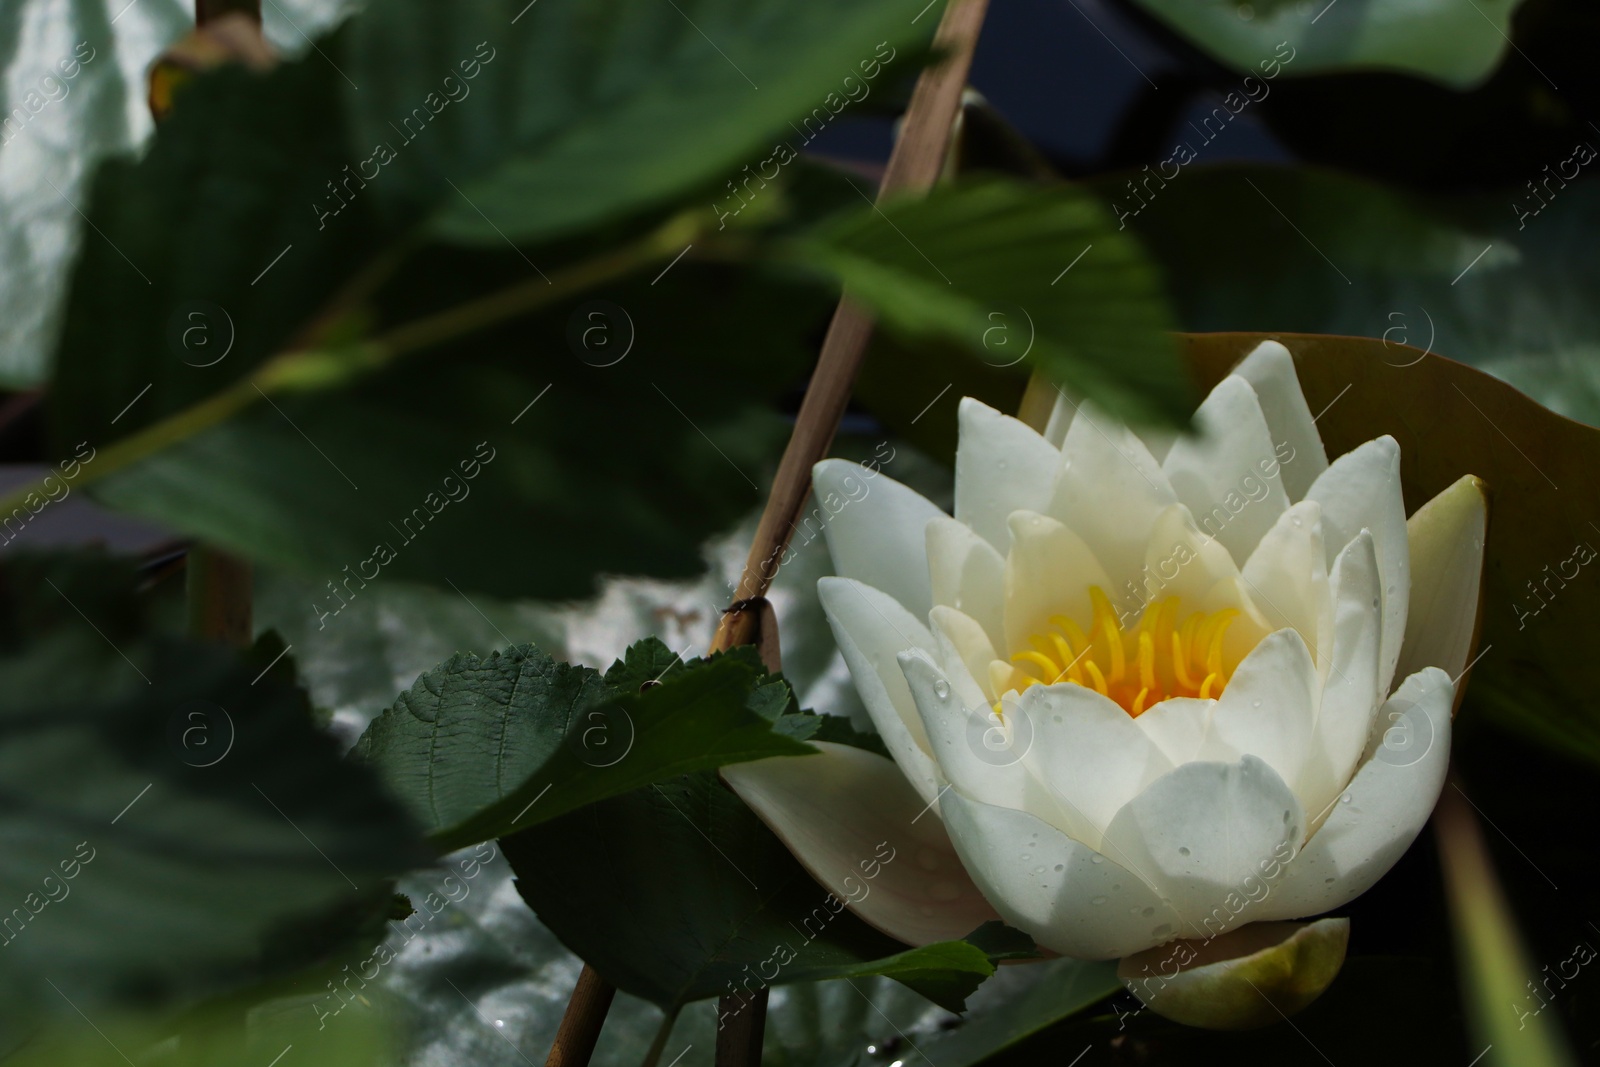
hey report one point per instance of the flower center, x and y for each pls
(1157, 658)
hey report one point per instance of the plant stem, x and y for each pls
(653, 1054)
(585, 1015)
(314, 367)
(914, 166)
(219, 588)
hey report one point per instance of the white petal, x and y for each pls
(1227, 472)
(1110, 492)
(876, 530)
(1287, 575)
(1350, 693)
(1377, 817)
(967, 573)
(1362, 490)
(1181, 561)
(1178, 726)
(871, 628)
(1446, 537)
(1269, 708)
(853, 821)
(1270, 371)
(1088, 751)
(961, 641)
(974, 749)
(1199, 832)
(1001, 466)
(1062, 412)
(1048, 572)
(1063, 894)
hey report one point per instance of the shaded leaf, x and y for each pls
(482, 748)
(182, 785)
(994, 267)
(1446, 42)
(737, 904)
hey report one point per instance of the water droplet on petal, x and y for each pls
(1345, 799)
(941, 689)
(1038, 870)
(1098, 900)
(1161, 931)
(1061, 866)
(1255, 703)
(1097, 858)
(1183, 850)
(1295, 519)
(1026, 856)
(1149, 911)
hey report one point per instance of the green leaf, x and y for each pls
(678, 893)
(486, 984)
(1541, 469)
(994, 267)
(1456, 45)
(476, 745)
(176, 783)
(1460, 275)
(583, 110)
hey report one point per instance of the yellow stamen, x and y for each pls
(1099, 679)
(1139, 666)
(1147, 659)
(1178, 658)
(1105, 620)
(1038, 658)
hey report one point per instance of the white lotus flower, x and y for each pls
(1134, 690)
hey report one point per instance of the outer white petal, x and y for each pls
(1178, 726)
(1066, 896)
(1048, 572)
(853, 821)
(1002, 466)
(871, 629)
(967, 573)
(1270, 371)
(1361, 490)
(1351, 692)
(1268, 709)
(1088, 752)
(963, 643)
(1062, 412)
(1199, 832)
(1111, 491)
(1227, 472)
(876, 530)
(1378, 816)
(971, 745)
(1287, 576)
(1446, 536)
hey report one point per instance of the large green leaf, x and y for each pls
(475, 745)
(1543, 472)
(175, 822)
(1310, 251)
(487, 983)
(1009, 272)
(584, 109)
(678, 893)
(1456, 44)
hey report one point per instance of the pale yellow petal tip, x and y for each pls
(1251, 977)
